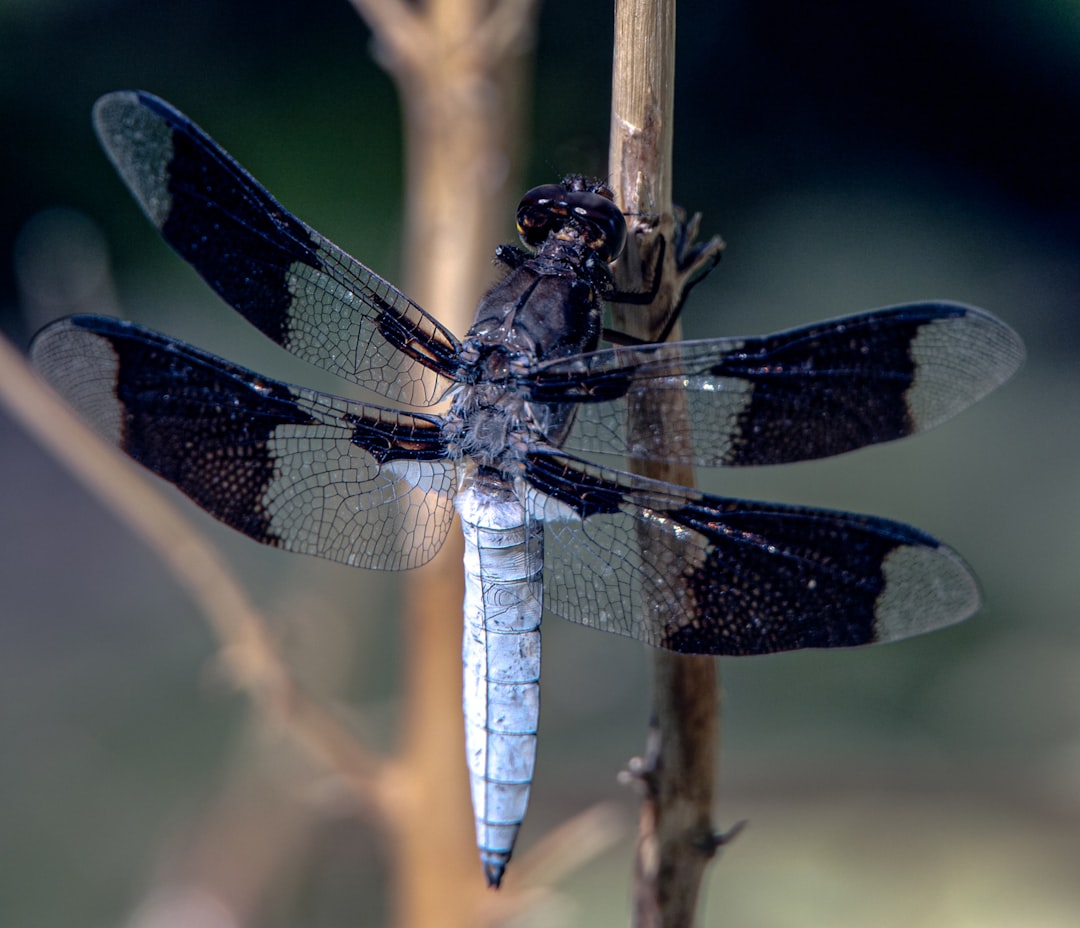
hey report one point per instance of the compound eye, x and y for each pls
(542, 210)
(604, 221)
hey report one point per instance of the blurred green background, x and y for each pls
(853, 155)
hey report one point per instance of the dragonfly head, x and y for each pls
(575, 209)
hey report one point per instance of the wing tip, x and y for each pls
(961, 356)
(135, 130)
(82, 366)
(926, 588)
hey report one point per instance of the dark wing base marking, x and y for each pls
(723, 576)
(287, 466)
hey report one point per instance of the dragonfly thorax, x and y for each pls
(490, 424)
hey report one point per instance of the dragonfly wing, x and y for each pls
(290, 282)
(798, 395)
(287, 466)
(699, 574)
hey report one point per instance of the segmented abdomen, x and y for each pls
(504, 557)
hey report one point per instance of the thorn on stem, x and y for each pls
(719, 838)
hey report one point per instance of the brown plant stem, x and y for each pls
(461, 68)
(675, 829)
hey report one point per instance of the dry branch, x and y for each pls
(675, 833)
(460, 67)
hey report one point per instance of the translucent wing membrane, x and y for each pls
(700, 574)
(287, 466)
(285, 278)
(797, 395)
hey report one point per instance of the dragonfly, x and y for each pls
(524, 454)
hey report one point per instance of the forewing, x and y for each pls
(285, 278)
(700, 574)
(287, 466)
(797, 395)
